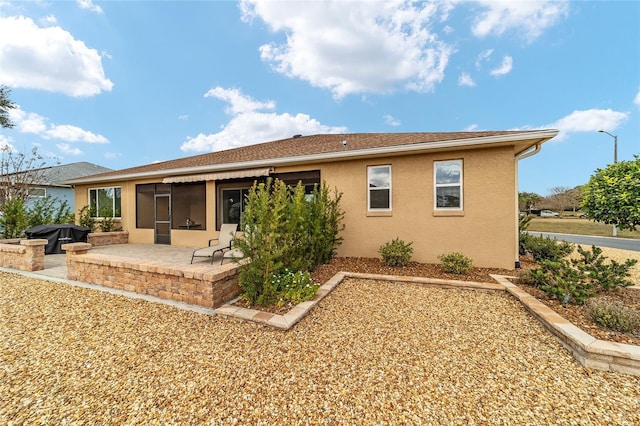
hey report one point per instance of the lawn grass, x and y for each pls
(572, 225)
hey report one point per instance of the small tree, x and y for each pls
(527, 200)
(612, 195)
(559, 198)
(19, 172)
(5, 106)
(285, 231)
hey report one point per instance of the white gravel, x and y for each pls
(372, 352)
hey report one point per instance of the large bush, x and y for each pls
(579, 279)
(284, 230)
(18, 217)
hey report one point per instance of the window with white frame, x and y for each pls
(379, 191)
(448, 185)
(105, 202)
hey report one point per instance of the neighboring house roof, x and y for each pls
(326, 147)
(57, 175)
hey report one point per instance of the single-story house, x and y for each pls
(445, 192)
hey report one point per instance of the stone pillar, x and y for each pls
(74, 269)
(33, 259)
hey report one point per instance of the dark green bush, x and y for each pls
(579, 279)
(544, 248)
(86, 218)
(49, 210)
(14, 218)
(608, 276)
(565, 283)
(284, 230)
(396, 252)
(455, 263)
(614, 315)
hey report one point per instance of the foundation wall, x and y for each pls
(205, 286)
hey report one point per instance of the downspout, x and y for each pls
(528, 153)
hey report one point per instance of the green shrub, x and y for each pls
(285, 230)
(560, 281)
(544, 248)
(614, 315)
(49, 210)
(86, 218)
(294, 287)
(14, 218)
(396, 252)
(455, 263)
(579, 279)
(607, 276)
(523, 243)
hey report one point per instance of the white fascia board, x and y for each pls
(539, 136)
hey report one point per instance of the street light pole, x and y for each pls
(615, 145)
(615, 160)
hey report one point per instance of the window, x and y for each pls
(38, 192)
(379, 194)
(233, 203)
(448, 184)
(105, 202)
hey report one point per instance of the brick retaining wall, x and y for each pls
(108, 238)
(589, 351)
(26, 255)
(208, 286)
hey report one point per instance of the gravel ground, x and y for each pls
(370, 353)
(577, 314)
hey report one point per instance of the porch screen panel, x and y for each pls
(188, 205)
(144, 206)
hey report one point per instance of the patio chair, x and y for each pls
(222, 243)
(233, 254)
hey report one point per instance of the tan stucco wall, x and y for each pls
(485, 231)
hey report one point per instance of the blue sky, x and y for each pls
(126, 83)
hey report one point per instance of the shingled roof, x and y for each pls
(329, 146)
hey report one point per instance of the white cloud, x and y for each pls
(238, 103)
(466, 80)
(590, 120)
(527, 18)
(88, 4)
(112, 155)
(483, 57)
(48, 59)
(470, 128)
(65, 148)
(504, 68)
(356, 47)
(30, 122)
(71, 133)
(636, 100)
(249, 124)
(391, 120)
